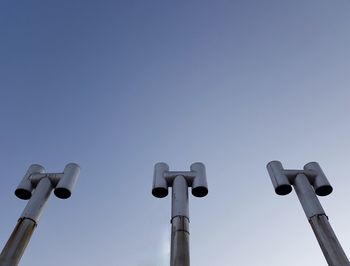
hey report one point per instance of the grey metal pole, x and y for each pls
(328, 241)
(179, 181)
(307, 183)
(24, 229)
(180, 235)
(42, 183)
(17, 243)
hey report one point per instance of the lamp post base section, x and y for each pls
(328, 241)
(180, 241)
(17, 243)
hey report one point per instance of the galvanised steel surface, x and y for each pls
(18, 241)
(179, 181)
(308, 183)
(36, 186)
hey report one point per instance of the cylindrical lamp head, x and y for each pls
(25, 187)
(321, 185)
(199, 185)
(279, 179)
(67, 182)
(160, 186)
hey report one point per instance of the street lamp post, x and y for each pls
(36, 186)
(179, 181)
(308, 183)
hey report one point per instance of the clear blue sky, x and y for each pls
(117, 86)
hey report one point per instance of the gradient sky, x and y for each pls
(117, 86)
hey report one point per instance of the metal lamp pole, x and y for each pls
(36, 186)
(307, 183)
(179, 181)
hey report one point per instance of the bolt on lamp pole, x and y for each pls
(36, 186)
(308, 183)
(179, 181)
